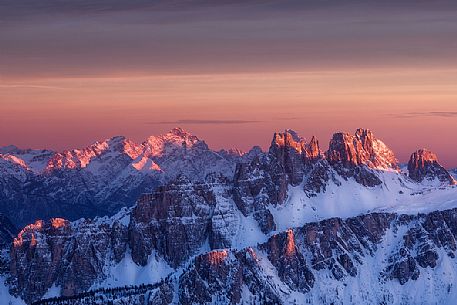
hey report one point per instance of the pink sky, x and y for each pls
(408, 109)
(232, 72)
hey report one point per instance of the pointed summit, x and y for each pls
(312, 149)
(423, 165)
(289, 139)
(176, 140)
(293, 153)
(179, 132)
(356, 155)
(363, 148)
(81, 158)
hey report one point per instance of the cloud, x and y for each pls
(443, 114)
(24, 86)
(285, 118)
(206, 122)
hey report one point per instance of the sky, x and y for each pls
(231, 72)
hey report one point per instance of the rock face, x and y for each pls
(264, 181)
(292, 154)
(69, 255)
(290, 262)
(255, 187)
(225, 277)
(7, 232)
(318, 177)
(333, 249)
(355, 156)
(423, 165)
(361, 149)
(174, 221)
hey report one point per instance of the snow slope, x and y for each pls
(397, 194)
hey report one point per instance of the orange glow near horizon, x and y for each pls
(406, 108)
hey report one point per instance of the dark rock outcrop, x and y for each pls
(256, 186)
(265, 179)
(7, 232)
(68, 255)
(292, 154)
(319, 175)
(335, 247)
(174, 221)
(221, 275)
(289, 261)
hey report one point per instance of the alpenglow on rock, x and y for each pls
(372, 258)
(355, 155)
(102, 178)
(423, 165)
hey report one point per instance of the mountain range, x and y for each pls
(170, 221)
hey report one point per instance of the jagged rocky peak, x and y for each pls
(69, 255)
(13, 160)
(175, 140)
(312, 149)
(289, 138)
(357, 155)
(123, 145)
(423, 164)
(175, 218)
(289, 141)
(30, 159)
(294, 154)
(81, 158)
(362, 148)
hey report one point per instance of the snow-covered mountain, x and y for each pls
(102, 178)
(294, 225)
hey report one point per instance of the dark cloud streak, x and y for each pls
(443, 114)
(79, 38)
(205, 122)
(219, 122)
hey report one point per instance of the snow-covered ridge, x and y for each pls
(104, 176)
(343, 259)
(203, 208)
(111, 174)
(175, 142)
(186, 221)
